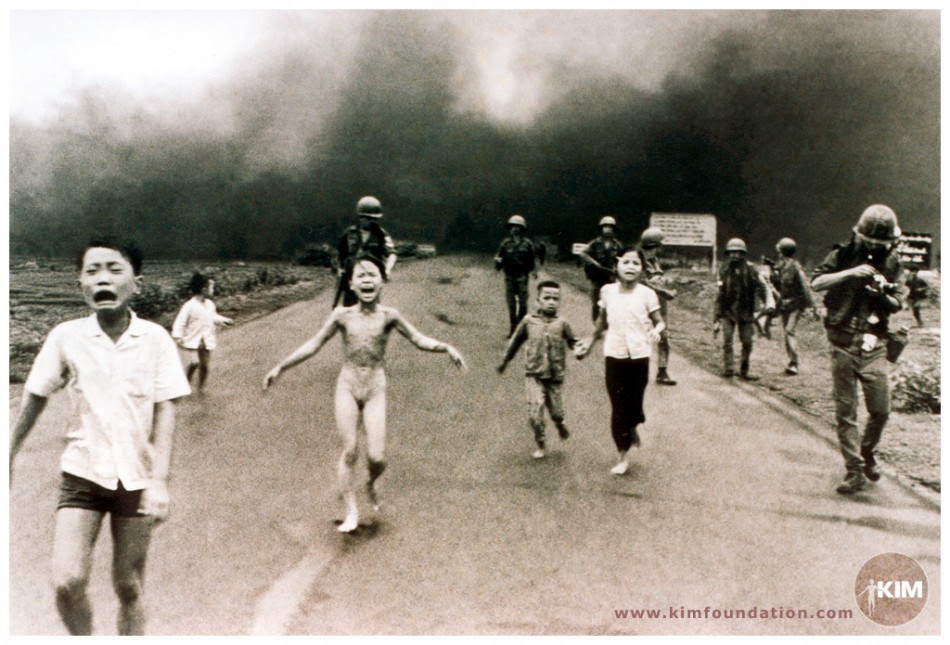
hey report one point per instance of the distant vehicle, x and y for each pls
(318, 255)
(415, 250)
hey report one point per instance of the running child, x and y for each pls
(123, 376)
(630, 312)
(194, 328)
(360, 398)
(545, 336)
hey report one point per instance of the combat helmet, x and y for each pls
(517, 220)
(607, 220)
(786, 246)
(736, 244)
(652, 237)
(879, 223)
(369, 207)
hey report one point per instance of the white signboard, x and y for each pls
(685, 230)
(578, 247)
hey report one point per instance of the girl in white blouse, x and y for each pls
(630, 314)
(194, 328)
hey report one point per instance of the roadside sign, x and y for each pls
(680, 229)
(916, 248)
(578, 247)
(687, 229)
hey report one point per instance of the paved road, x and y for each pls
(730, 504)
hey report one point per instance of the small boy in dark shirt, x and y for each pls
(546, 337)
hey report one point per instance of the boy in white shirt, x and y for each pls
(630, 313)
(194, 328)
(123, 376)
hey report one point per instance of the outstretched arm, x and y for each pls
(584, 346)
(514, 343)
(33, 405)
(306, 350)
(424, 342)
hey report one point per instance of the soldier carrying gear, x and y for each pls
(651, 240)
(517, 257)
(794, 297)
(366, 237)
(739, 284)
(917, 292)
(862, 278)
(599, 259)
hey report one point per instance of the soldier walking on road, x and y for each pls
(795, 297)
(517, 257)
(862, 278)
(739, 283)
(366, 237)
(650, 242)
(917, 292)
(600, 258)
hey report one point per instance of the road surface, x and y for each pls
(730, 503)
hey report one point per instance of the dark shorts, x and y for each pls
(76, 492)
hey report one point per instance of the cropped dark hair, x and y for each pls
(627, 248)
(197, 283)
(548, 284)
(127, 248)
(369, 257)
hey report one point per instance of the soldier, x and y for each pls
(364, 237)
(917, 291)
(517, 258)
(599, 259)
(739, 283)
(862, 278)
(650, 242)
(795, 297)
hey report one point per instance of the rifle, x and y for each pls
(340, 289)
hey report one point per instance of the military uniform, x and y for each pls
(373, 241)
(604, 251)
(517, 258)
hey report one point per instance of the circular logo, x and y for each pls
(891, 589)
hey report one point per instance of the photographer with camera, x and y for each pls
(862, 278)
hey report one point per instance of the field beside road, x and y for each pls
(911, 442)
(46, 293)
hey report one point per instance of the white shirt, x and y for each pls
(113, 388)
(195, 323)
(628, 320)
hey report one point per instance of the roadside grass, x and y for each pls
(46, 293)
(911, 441)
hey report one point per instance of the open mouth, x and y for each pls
(103, 296)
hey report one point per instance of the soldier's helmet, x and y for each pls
(369, 207)
(517, 220)
(607, 220)
(878, 222)
(786, 246)
(651, 238)
(736, 244)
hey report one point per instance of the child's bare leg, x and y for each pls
(347, 419)
(374, 420)
(76, 532)
(204, 366)
(130, 539)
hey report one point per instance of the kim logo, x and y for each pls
(891, 589)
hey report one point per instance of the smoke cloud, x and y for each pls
(781, 123)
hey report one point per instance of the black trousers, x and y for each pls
(626, 380)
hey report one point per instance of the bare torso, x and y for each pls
(365, 334)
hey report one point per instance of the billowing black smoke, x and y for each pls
(790, 128)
